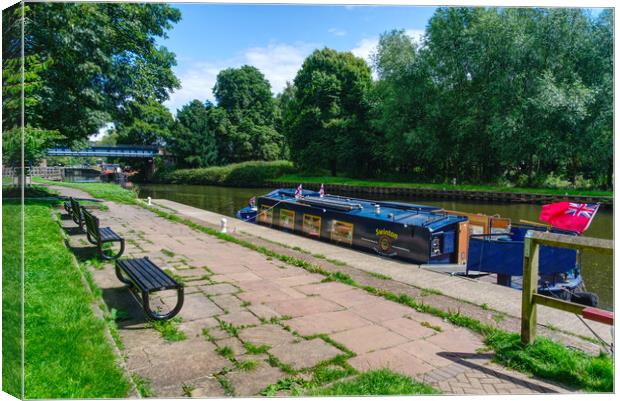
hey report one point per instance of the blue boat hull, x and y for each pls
(502, 254)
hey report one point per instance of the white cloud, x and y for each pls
(102, 132)
(279, 62)
(337, 31)
(416, 34)
(365, 48)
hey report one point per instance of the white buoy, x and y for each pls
(223, 225)
(148, 199)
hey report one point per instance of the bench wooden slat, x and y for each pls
(157, 278)
(146, 275)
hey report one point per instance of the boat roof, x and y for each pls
(430, 217)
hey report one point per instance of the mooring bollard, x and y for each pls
(223, 223)
(148, 199)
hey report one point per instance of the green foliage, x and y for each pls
(245, 120)
(67, 354)
(250, 173)
(326, 119)
(226, 352)
(255, 349)
(143, 386)
(36, 141)
(497, 94)
(169, 329)
(248, 365)
(193, 139)
(145, 122)
(547, 359)
(376, 382)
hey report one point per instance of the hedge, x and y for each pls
(249, 173)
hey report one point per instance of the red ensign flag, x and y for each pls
(569, 216)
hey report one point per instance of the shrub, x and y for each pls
(239, 174)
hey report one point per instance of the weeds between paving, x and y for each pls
(590, 373)
(66, 352)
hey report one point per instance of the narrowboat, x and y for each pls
(416, 233)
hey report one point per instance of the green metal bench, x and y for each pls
(99, 236)
(76, 212)
(144, 277)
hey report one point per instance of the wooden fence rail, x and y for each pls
(530, 297)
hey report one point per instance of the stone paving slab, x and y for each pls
(269, 334)
(304, 306)
(197, 306)
(408, 328)
(240, 318)
(393, 359)
(305, 354)
(253, 382)
(368, 338)
(326, 323)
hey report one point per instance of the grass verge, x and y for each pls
(107, 191)
(67, 354)
(11, 299)
(375, 382)
(297, 179)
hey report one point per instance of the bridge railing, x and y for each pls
(530, 298)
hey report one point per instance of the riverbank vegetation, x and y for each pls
(67, 354)
(296, 179)
(251, 173)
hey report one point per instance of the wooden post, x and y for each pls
(530, 287)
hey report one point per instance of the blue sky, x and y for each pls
(274, 38)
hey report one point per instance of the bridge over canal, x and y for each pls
(132, 151)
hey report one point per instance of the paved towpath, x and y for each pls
(238, 301)
(503, 299)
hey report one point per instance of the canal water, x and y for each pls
(597, 270)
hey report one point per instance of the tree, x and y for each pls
(327, 118)
(193, 139)
(245, 95)
(147, 123)
(92, 61)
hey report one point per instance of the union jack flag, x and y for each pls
(298, 192)
(322, 191)
(582, 209)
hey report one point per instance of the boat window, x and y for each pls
(266, 214)
(312, 225)
(287, 219)
(342, 232)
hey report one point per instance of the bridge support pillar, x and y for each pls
(149, 169)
